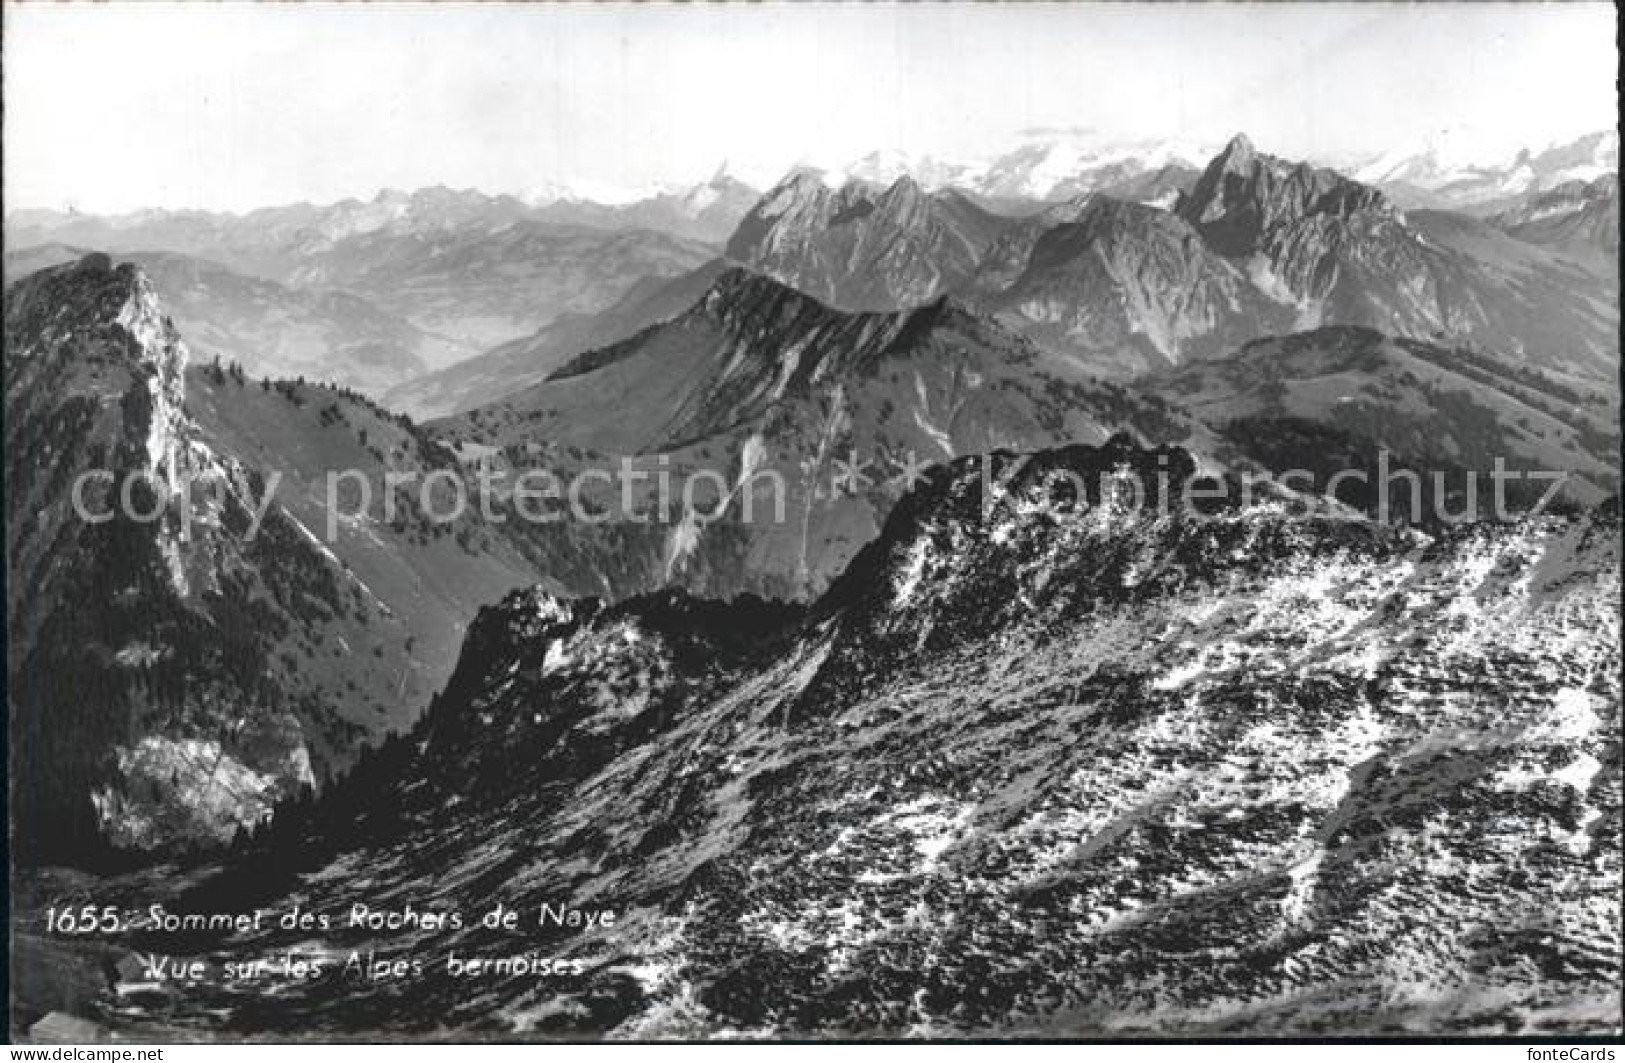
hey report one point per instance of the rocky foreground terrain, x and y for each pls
(1030, 767)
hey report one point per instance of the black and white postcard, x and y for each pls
(808, 522)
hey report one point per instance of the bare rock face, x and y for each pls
(1056, 765)
(95, 376)
(373, 291)
(135, 681)
(861, 247)
(1244, 199)
(1333, 251)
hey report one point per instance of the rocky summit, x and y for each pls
(115, 677)
(863, 247)
(1244, 199)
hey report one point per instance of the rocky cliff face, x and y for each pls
(136, 677)
(1334, 251)
(463, 270)
(177, 669)
(91, 364)
(1245, 201)
(1055, 765)
(861, 247)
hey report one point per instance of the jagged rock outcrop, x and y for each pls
(1246, 201)
(1336, 252)
(861, 247)
(1124, 287)
(188, 647)
(1578, 219)
(138, 696)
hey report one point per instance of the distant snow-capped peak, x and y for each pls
(1057, 163)
(885, 167)
(1039, 164)
(1445, 163)
(603, 193)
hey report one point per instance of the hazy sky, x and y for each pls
(119, 106)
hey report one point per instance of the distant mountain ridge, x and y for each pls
(1046, 166)
(1424, 179)
(269, 328)
(472, 269)
(1043, 166)
(182, 676)
(863, 247)
(469, 272)
(1256, 245)
(1578, 219)
(708, 212)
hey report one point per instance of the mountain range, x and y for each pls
(442, 274)
(1050, 165)
(707, 212)
(1257, 246)
(758, 384)
(853, 713)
